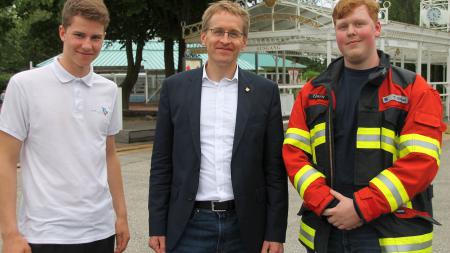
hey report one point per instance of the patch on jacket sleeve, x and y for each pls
(397, 98)
(318, 96)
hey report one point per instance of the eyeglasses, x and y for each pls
(220, 33)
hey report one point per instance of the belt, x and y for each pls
(215, 205)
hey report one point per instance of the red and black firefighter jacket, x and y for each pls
(397, 155)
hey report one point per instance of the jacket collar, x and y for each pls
(331, 75)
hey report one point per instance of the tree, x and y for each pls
(132, 24)
(9, 52)
(39, 20)
(404, 12)
(7, 14)
(169, 28)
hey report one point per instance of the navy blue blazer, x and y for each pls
(257, 170)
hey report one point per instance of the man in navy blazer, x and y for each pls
(217, 181)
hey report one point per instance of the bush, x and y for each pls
(308, 75)
(4, 79)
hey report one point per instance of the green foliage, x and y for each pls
(4, 79)
(130, 20)
(6, 25)
(11, 53)
(314, 64)
(6, 16)
(132, 24)
(41, 21)
(30, 35)
(169, 20)
(406, 11)
(310, 74)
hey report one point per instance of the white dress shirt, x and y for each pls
(217, 124)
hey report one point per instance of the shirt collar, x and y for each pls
(65, 77)
(235, 77)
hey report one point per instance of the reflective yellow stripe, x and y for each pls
(389, 142)
(377, 138)
(388, 132)
(317, 138)
(383, 138)
(409, 143)
(306, 235)
(392, 188)
(409, 205)
(304, 177)
(298, 138)
(306, 141)
(368, 138)
(416, 244)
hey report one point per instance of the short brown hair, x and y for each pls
(345, 7)
(226, 6)
(94, 10)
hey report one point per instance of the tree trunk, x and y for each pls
(168, 57)
(181, 54)
(134, 66)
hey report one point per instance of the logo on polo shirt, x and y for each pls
(101, 110)
(104, 110)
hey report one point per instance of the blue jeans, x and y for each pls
(211, 232)
(360, 240)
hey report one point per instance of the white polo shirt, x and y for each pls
(63, 122)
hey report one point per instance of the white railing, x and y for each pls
(444, 96)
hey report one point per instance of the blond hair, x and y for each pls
(226, 6)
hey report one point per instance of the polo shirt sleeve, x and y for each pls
(115, 124)
(14, 115)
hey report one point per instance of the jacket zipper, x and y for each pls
(330, 135)
(330, 142)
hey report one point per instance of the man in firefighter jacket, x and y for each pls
(363, 146)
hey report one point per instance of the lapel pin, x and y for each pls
(247, 89)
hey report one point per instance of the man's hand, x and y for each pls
(157, 243)
(122, 235)
(15, 244)
(272, 247)
(343, 216)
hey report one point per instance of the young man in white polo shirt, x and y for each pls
(60, 120)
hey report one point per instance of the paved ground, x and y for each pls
(136, 170)
(136, 167)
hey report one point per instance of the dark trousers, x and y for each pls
(100, 246)
(211, 232)
(360, 240)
